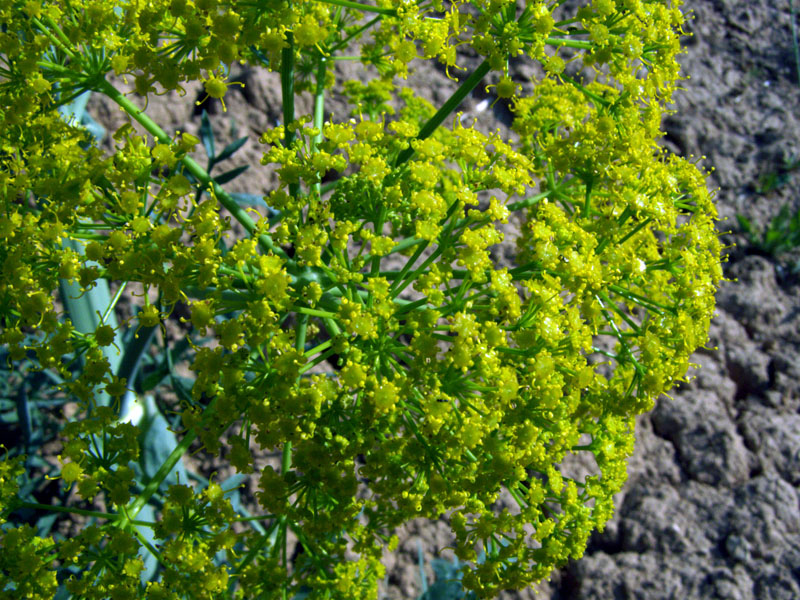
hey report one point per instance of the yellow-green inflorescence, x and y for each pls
(454, 384)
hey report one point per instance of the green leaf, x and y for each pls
(152, 380)
(132, 357)
(85, 308)
(228, 151)
(249, 199)
(24, 414)
(772, 240)
(76, 106)
(156, 442)
(745, 224)
(207, 137)
(230, 175)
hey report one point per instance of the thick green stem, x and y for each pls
(319, 100)
(314, 312)
(354, 34)
(300, 333)
(287, 93)
(163, 472)
(401, 284)
(114, 301)
(528, 202)
(362, 7)
(583, 45)
(643, 301)
(470, 83)
(201, 174)
(286, 459)
(300, 345)
(319, 111)
(62, 41)
(395, 289)
(150, 548)
(81, 511)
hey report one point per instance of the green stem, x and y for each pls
(81, 511)
(331, 185)
(319, 112)
(144, 541)
(410, 278)
(569, 43)
(410, 306)
(634, 231)
(62, 41)
(252, 518)
(332, 327)
(318, 348)
(114, 301)
(319, 101)
(46, 65)
(319, 359)
(354, 34)
(255, 549)
(376, 260)
(362, 7)
(469, 84)
(201, 174)
(302, 328)
(163, 472)
(348, 58)
(447, 234)
(514, 491)
(395, 289)
(406, 244)
(287, 93)
(286, 459)
(528, 202)
(565, 22)
(313, 312)
(643, 301)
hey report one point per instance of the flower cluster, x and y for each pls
(369, 333)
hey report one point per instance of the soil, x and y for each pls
(712, 505)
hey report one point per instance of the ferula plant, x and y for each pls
(365, 330)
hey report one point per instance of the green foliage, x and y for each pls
(361, 329)
(448, 584)
(775, 179)
(781, 235)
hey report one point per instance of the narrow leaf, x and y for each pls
(132, 359)
(24, 413)
(228, 151)
(744, 223)
(230, 175)
(83, 308)
(249, 199)
(207, 136)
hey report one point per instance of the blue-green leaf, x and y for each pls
(250, 200)
(228, 151)
(207, 137)
(229, 175)
(24, 414)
